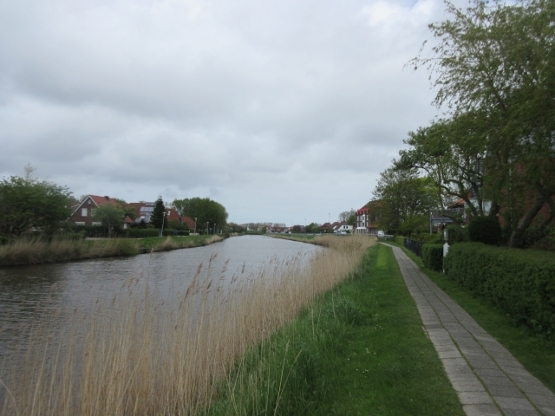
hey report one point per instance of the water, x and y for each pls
(71, 288)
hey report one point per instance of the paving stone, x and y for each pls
(481, 410)
(541, 400)
(513, 403)
(449, 354)
(475, 398)
(448, 347)
(481, 361)
(514, 412)
(467, 386)
(493, 372)
(504, 390)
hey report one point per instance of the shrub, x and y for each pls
(456, 234)
(399, 239)
(484, 230)
(519, 282)
(142, 232)
(432, 256)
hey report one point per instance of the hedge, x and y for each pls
(520, 282)
(432, 256)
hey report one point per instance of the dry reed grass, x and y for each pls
(36, 251)
(136, 356)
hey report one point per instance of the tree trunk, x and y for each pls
(517, 234)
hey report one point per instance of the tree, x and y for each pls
(451, 153)
(158, 214)
(312, 228)
(204, 210)
(27, 202)
(110, 216)
(495, 61)
(405, 200)
(345, 215)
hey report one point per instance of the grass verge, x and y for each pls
(535, 353)
(359, 349)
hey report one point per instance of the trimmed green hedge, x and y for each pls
(399, 239)
(521, 282)
(142, 232)
(432, 256)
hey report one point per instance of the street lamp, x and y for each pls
(206, 227)
(163, 218)
(214, 228)
(195, 225)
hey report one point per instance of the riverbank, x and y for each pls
(358, 349)
(38, 252)
(133, 352)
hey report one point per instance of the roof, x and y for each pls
(97, 200)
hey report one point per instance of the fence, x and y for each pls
(414, 246)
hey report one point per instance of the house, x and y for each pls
(342, 228)
(144, 210)
(82, 213)
(366, 219)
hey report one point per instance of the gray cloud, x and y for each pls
(282, 110)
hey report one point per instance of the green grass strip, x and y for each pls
(358, 350)
(535, 353)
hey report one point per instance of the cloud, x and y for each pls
(268, 106)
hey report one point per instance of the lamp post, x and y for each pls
(206, 227)
(162, 229)
(195, 225)
(214, 228)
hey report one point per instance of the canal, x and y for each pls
(70, 290)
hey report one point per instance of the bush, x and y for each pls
(142, 232)
(399, 239)
(456, 234)
(432, 256)
(484, 230)
(520, 282)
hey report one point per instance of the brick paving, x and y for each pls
(486, 377)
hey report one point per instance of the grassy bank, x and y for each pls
(537, 354)
(135, 354)
(37, 251)
(357, 350)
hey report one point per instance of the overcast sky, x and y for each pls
(282, 111)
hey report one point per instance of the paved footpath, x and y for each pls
(487, 378)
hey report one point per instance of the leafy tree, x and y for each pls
(312, 228)
(451, 152)
(110, 216)
(235, 228)
(485, 230)
(157, 217)
(405, 200)
(204, 210)
(495, 61)
(346, 215)
(27, 202)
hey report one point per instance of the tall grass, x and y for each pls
(38, 251)
(136, 355)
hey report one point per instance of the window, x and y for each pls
(84, 212)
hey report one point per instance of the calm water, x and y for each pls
(73, 287)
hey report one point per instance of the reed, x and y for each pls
(135, 354)
(38, 251)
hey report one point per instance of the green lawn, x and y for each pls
(359, 350)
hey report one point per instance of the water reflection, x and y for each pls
(70, 289)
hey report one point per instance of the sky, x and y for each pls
(284, 111)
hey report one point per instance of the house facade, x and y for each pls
(82, 213)
(366, 220)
